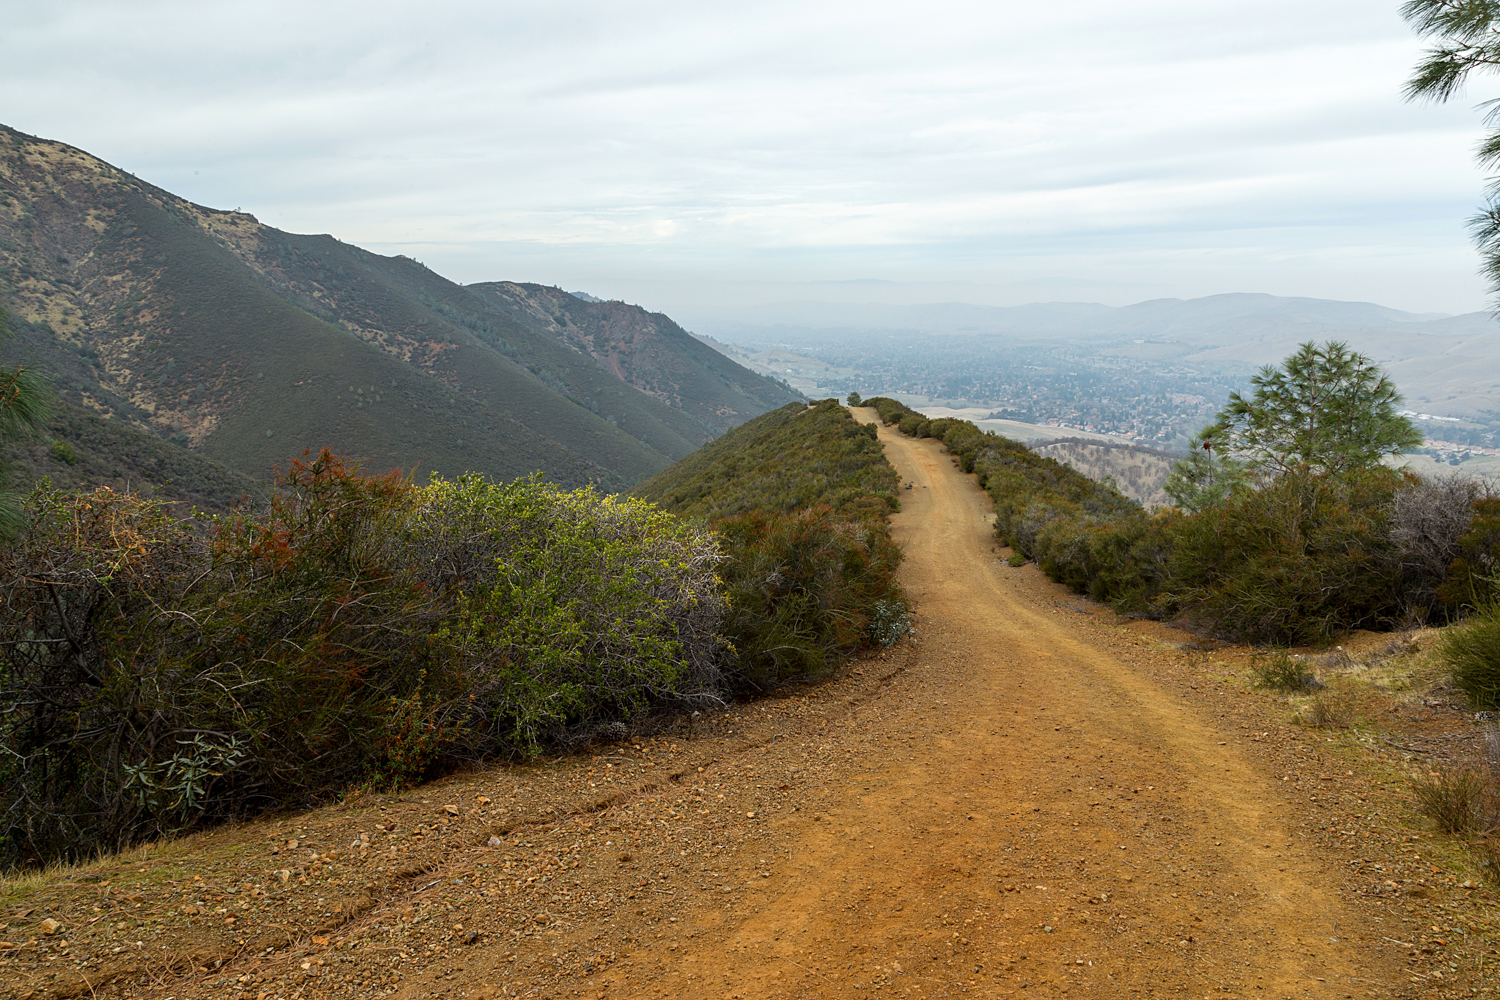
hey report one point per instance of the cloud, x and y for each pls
(1241, 146)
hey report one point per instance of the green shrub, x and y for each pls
(804, 589)
(64, 452)
(890, 621)
(1296, 561)
(800, 499)
(1278, 671)
(1473, 574)
(565, 609)
(159, 674)
(1472, 652)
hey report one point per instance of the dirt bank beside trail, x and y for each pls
(1031, 798)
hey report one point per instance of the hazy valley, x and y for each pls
(1150, 373)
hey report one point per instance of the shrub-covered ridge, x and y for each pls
(800, 498)
(160, 673)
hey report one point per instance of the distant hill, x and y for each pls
(246, 344)
(1447, 365)
(1238, 315)
(1138, 472)
(645, 349)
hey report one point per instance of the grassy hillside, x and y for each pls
(80, 449)
(800, 498)
(784, 460)
(247, 344)
(645, 349)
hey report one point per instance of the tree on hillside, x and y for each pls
(1467, 33)
(1205, 478)
(1324, 409)
(23, 409)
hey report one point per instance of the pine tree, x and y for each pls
(1467, 33)
(1325, 409)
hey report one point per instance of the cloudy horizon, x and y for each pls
(694, 157)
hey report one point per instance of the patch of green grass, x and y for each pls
(785, 460)
(1472, 652)
(1278, 670)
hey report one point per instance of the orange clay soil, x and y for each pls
(1032, 797)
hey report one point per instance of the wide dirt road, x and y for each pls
(1034, 818)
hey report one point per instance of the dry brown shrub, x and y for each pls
(1327, 712)
(1460, 800)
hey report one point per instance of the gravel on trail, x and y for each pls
(1030, 797)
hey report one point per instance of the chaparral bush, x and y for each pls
(804, 589)
(800, 498)
(158, 674)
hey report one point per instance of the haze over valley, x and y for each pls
(1152, 373)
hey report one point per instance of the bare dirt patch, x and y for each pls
(1033, 797)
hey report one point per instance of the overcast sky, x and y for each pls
(699, 156)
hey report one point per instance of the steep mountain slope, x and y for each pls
(249, 344)
(647, 350)
(79, 449)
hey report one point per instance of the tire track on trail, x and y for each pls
(1039, 819)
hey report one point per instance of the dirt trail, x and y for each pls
(1038, 817)
(1022, 802)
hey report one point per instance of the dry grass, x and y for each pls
(1461, 800)
(1329, 712)
(1139, 472)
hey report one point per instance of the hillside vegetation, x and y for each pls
(1139, 473)
(159, 673)
(801, 498)
(247, 344)
(647, 350)
(1298, 560)
(80, 450)
(785, 460)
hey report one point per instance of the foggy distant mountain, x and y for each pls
(1238, 314)
(1446, 364)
